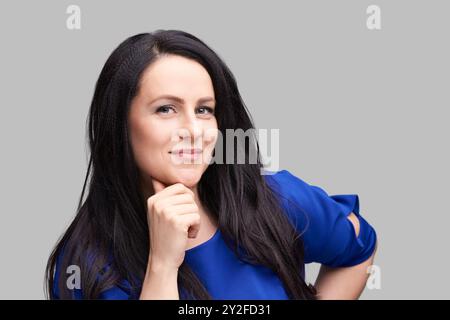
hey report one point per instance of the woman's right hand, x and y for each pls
(173, 217)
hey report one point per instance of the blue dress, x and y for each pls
(329, 238)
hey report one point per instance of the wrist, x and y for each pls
(161, 268)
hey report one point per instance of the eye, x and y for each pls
(165, 109)
(205, 110)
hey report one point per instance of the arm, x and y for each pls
(160, 283)
(345, 282)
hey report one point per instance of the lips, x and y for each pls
(186, 151)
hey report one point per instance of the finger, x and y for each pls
(176, 199)
(182, 209)
(193, 231)
(157, 185)
(162, 198)
(177, 188)
(192, 223)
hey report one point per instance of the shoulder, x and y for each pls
(315, 199)
(284, 181)
(292, 190)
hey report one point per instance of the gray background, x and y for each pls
(359, 111)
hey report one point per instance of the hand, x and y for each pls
(173, 217)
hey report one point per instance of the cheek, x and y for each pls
(210, 134)
(149, 141)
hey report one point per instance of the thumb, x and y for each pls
(157, 185)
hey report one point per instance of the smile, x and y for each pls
(188, 154)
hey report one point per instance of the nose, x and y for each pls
(190, 130)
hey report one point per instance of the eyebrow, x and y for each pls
(180, 100)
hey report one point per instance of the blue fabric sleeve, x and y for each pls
(329, 237)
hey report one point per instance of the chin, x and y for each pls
(187, 176)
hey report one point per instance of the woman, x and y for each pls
(158, 225)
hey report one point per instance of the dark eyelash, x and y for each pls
(210, 110)
(165, 106)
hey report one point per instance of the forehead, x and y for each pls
(177, 76)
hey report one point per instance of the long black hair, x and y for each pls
(110, 227)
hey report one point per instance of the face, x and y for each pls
(173, 111)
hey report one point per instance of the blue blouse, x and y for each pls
(329, 238)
